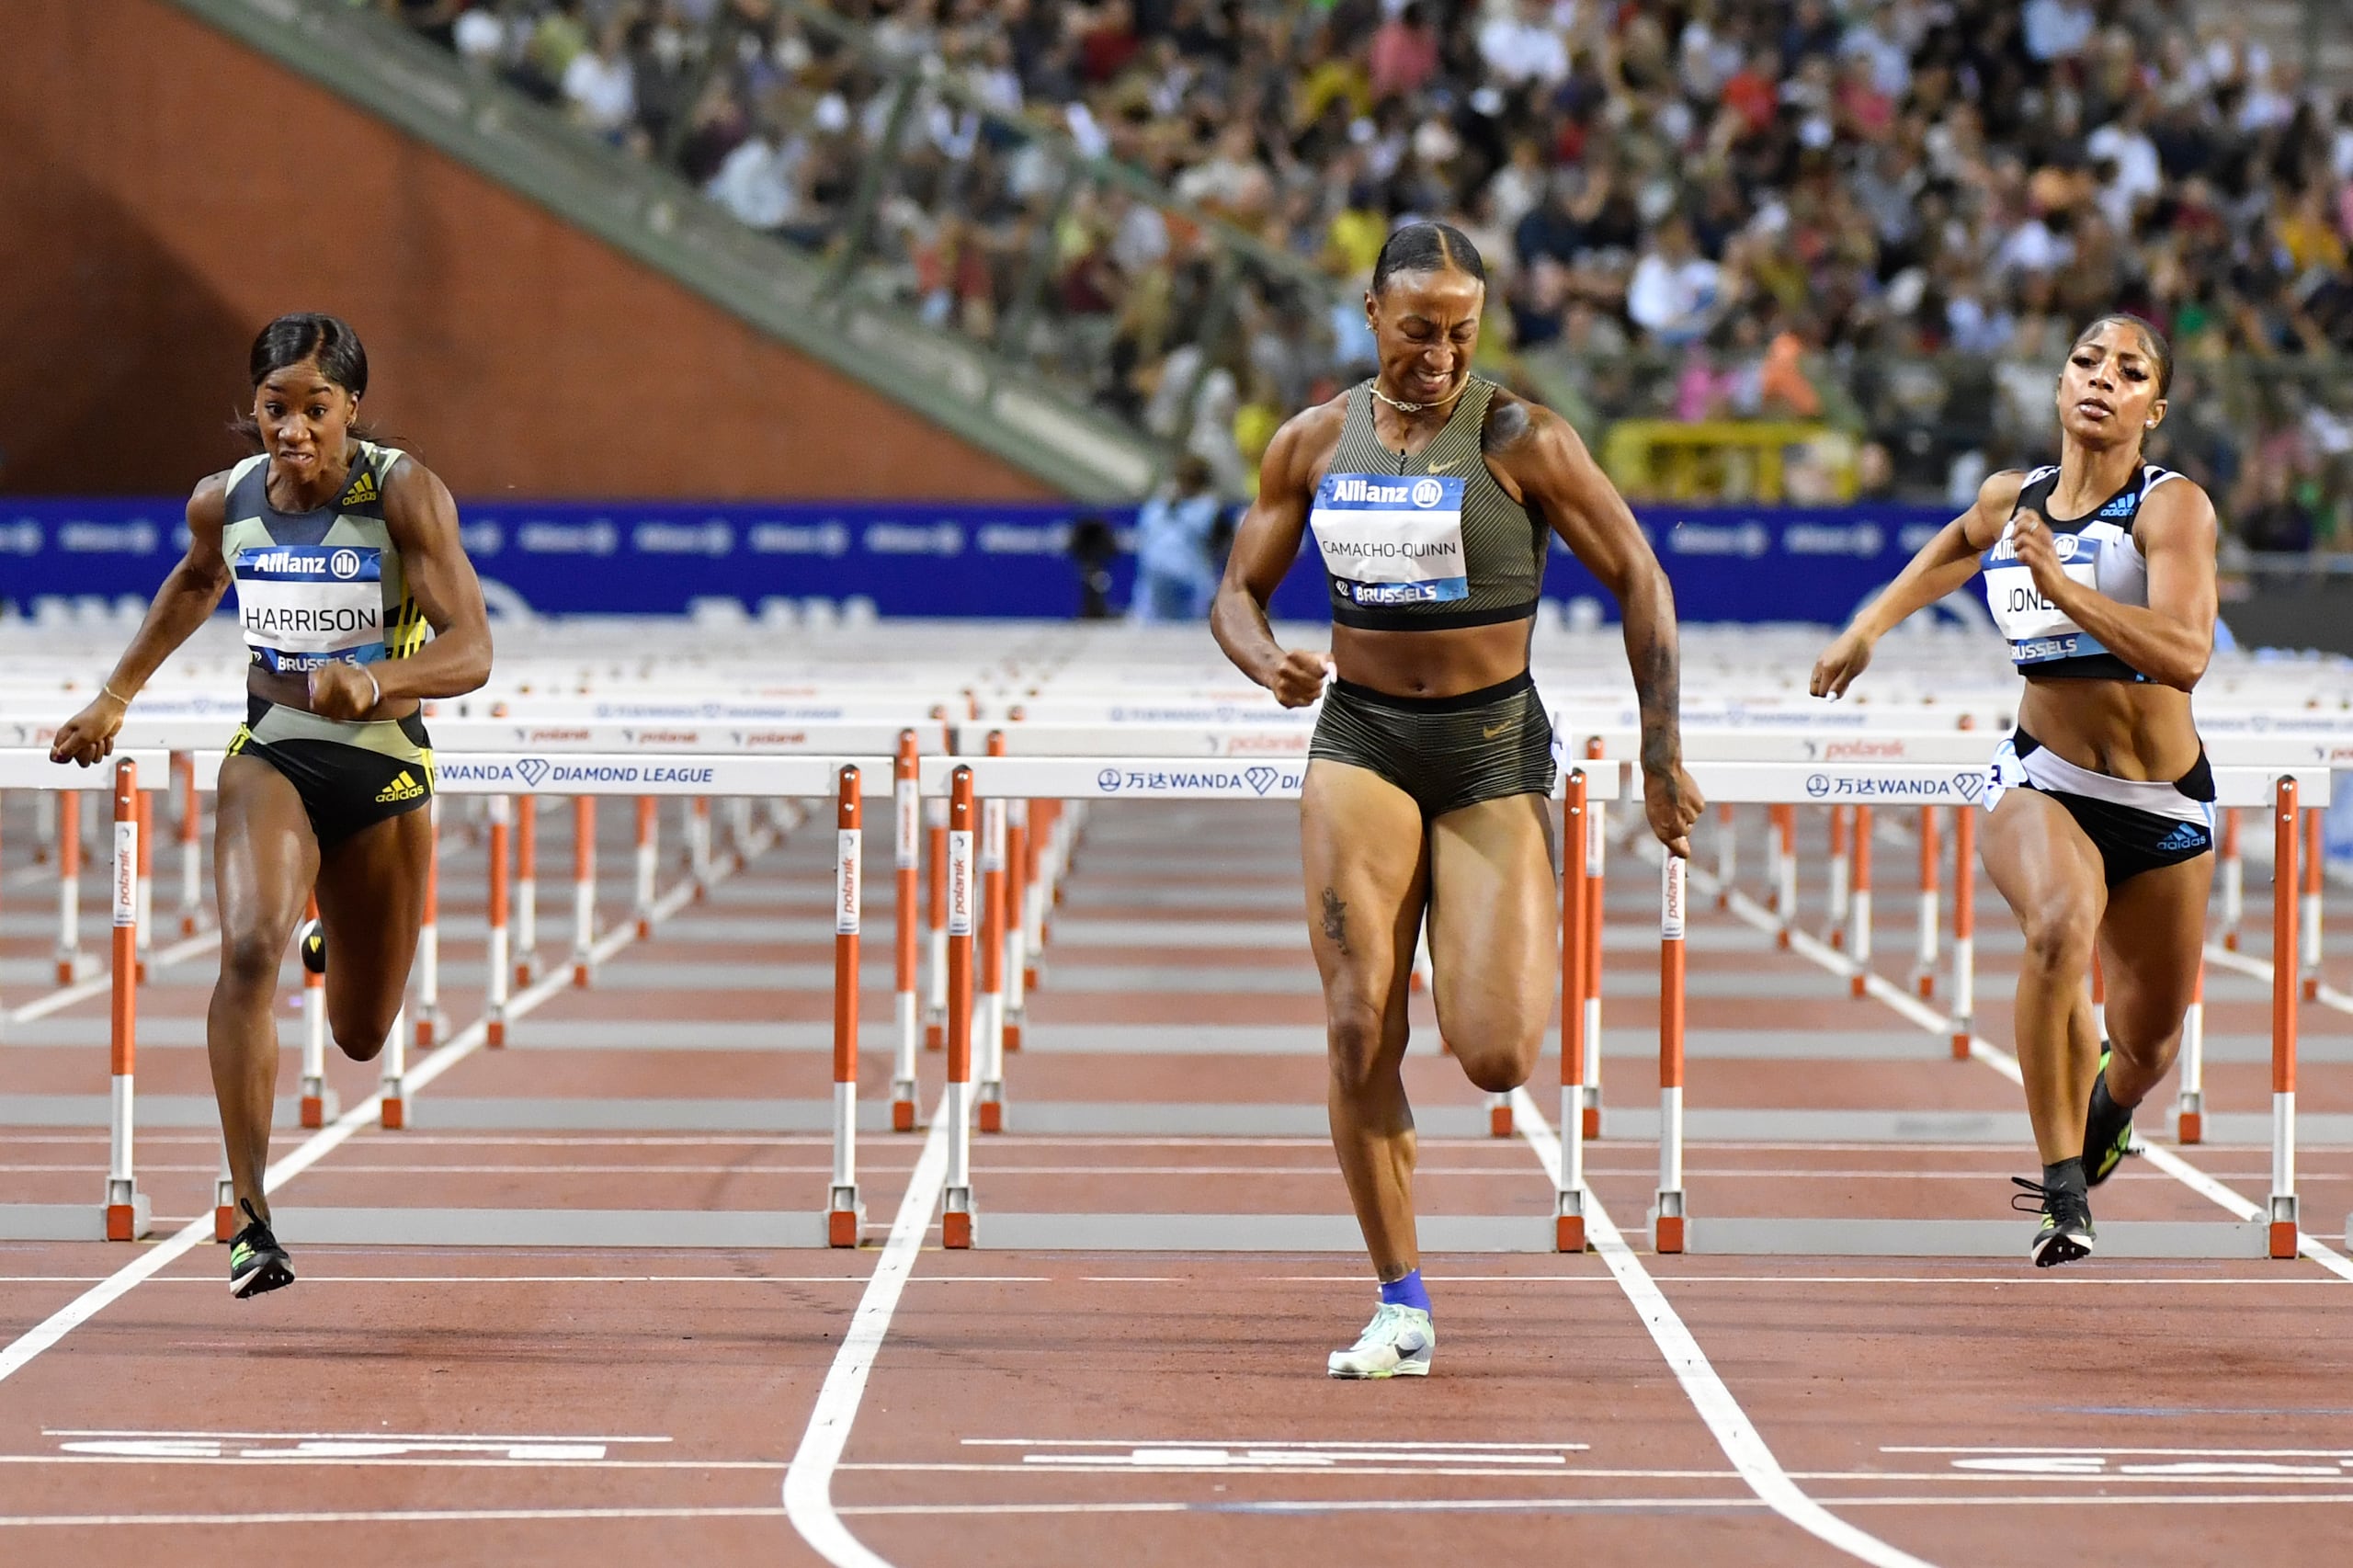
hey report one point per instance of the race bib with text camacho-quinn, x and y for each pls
(2038, 630)
(304, 606)
(1391, 539)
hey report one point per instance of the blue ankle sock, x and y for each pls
(1406, 1293)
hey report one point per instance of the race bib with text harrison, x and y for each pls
(304, 606)
(1391, 539)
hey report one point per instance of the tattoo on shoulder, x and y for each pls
(1336, 920)
(1507, 424)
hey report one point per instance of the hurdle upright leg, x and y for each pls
(1859, 904)
(990, 1095)
(191, 845)
(1964, 930)
(2190, 1103)
(318, 1100)
(526, 888)
(1923, 962)
(125, 1207)
(1785, 872)
(428, 935)
(845, 1210)
(906, 847)
(1668, 1216)
(2308, 953)
(1596, 895)
(584, 887)
(1841, 878)
(2284, 995)
(2233, 880)
(956, 1217)
(495, 1013)
(1016, 927)
(69, 884)
(1727, 854)
(1568, 1205)
(936, 818)
(649, 865)
(147, 889)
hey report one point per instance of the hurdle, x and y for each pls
(122, 1211)
(971, 783)
(1677, 1228)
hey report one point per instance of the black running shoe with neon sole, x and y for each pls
(2066, 1232)
(256, 1262)
(2107, 1130)
(311, 943)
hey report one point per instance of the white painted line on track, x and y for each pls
(2327, 995)
(2002, 1061)
(1671, 1505)
(384, 1516)
(1731, 1426)
(318, 1146)
(809, 1484)
(101, 983)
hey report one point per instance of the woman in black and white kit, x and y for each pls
(2100, 571)
(345, 554)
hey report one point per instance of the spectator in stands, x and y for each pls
(600, 84)
(1673, 292)
(1174, 578)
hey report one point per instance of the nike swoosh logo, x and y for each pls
(1414, 1345)
(1441, 468)
(1486, 734)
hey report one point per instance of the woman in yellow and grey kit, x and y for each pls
(343, 553)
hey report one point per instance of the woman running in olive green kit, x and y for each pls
(344, 554)
(1433, 496)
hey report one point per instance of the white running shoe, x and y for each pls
(1396, 1344)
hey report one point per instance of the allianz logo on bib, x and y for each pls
(1422, 493)
(341, 565)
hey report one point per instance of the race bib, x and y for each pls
(304, 606)
(2038, 629)
(1391, 539)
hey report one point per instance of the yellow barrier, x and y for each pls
(1665, 459)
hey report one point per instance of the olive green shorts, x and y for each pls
(1446, 752)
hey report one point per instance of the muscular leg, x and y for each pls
(1361, 844)
(2149, 946)
(264, 861)
(2054, 881)
(1494, 935)
(372, 900)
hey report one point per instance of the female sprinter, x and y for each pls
(343, 552)
(2100, 571)
(1431, 494)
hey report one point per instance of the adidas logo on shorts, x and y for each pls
(2188, 836)
(403, 788)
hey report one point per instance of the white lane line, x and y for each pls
(1731, 1426)
(809, 1484)
(2329, 996)
(318, 1146)
(100, 983)
(385, 1516)
(1572, 1506)
(2002, 1061)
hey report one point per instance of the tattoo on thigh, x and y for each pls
(1336, 920)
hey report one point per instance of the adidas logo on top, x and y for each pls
(361, 491)
(404, 786)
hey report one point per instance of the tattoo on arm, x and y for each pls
(1336, 920)
(1657, 685)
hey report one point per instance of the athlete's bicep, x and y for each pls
(1580, 504)
(422, 518)
(203, 564)
(1267, 538)
(2176, 531)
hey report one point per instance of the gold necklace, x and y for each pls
(1416, 407)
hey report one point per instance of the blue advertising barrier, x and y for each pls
(936, 559)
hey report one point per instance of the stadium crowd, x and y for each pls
(1888, 214)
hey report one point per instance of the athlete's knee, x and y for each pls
(1498, 1071)
(1357, 1036)
(1498, 1053)
(250, 957)
(360, 1032)
(2058, 934)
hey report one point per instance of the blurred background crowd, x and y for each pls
(1781, 249)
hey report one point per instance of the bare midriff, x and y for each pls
(1438, 663)
(2118, 728)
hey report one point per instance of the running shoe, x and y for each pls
(256, 1262)
(2066, 1234)
(2107, 1130)
(311, 943)
(1396, 1344)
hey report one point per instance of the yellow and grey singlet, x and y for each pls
(1420, 543)
(324, 586)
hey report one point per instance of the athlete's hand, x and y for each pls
(88, 736)
(1841, 662)
(1673, 803)
(1299, 679)
(2038, 554)
(341, 691)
